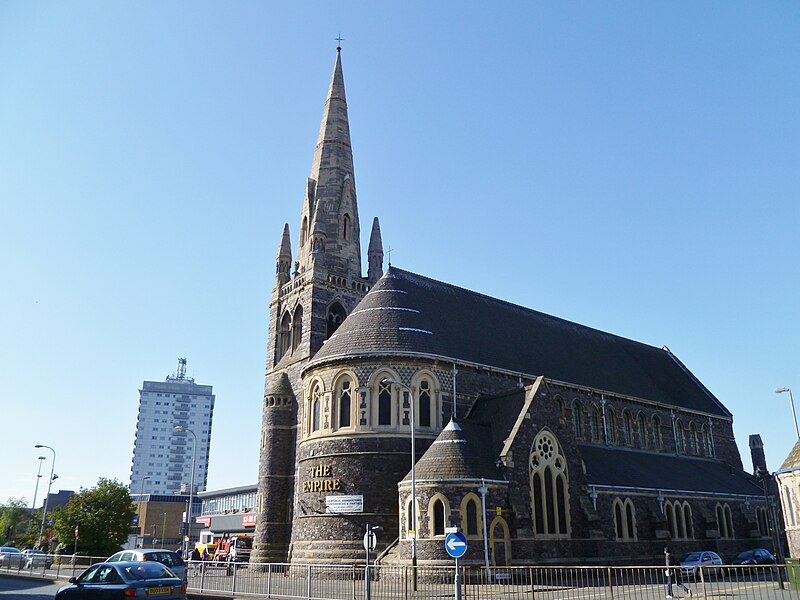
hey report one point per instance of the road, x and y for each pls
(29, 589)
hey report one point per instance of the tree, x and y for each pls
(15, 520)
(103, 515)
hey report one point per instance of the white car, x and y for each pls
(692, 563)
(11, 557)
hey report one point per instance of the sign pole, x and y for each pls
(366, 567)
(458, 581)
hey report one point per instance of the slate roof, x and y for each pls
(630, 468)
(793, 460)
(501, 412)
(405, 313)
(461, 451)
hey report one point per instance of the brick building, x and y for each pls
(568, 443)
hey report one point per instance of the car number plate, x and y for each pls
(158, 590)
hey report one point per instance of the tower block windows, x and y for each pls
(549, 487)
(336, 315)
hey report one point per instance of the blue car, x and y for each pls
(124, 580)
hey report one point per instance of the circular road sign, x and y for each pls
(455, 544)
(370, 541)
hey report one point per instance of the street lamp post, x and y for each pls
(191, 489)
(163, 530)
(140, 524)
(782, 390)
(413, 482)
(49, 483)
(36, 489)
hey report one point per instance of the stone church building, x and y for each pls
(545, 440)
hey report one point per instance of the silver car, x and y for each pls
(11, 558)
(692, 563)
(37, 559)
(168, 558)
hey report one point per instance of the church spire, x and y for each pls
(375, 253)
(330, 209)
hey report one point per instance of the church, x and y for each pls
(544, 441)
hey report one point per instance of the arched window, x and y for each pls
(789, 505)
(695, 439)
(688, 526)
(549, 487)
(297, 327)
(471, 516)
(439, 511)
(761, 517)
(658, 436)
(680, 437)
(624, 519)
(627, 424)
(728, 520)
(424, 402)
(708, 440)
(346, 226)
(344, 393)
(577, 413)
(596, 424)
(336, 315)
(611, 427)
(284, 334)
(384, 403)
(304, 231)
(644, 440)
(679, 520)
(316, 407)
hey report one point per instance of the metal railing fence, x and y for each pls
(51, 565)
(347, 582)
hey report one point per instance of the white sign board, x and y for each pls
(370, 541)
(344, 504)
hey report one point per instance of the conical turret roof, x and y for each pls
(285, 249)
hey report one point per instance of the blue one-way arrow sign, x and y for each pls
(455, 544)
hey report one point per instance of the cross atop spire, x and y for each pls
(339, 39)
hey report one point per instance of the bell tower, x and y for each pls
(307, 306)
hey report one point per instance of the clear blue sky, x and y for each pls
(632, 166)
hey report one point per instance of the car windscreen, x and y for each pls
(691, 557)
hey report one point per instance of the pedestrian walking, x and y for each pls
(673, 573)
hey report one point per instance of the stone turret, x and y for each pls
(375, 253)
(757, 454)
(284, 260)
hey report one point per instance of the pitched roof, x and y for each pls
(619, 467)
(793, 460)
(461, 451)
(409, 314)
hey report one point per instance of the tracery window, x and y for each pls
(577, 413)
(424, 401)
(316, 407)
(336, 315)
(549, 487)
(624, 519)
(344, 401)
(384, 403)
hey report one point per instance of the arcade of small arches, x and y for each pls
(600, 423)
(378, 405)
